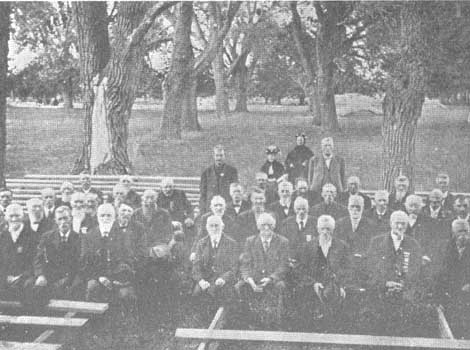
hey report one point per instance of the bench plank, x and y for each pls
(46, 334)
(321, 338)
(65, 305)
(217, 323)
(111, 177)
(9, 345)
(43, 321)
(444, 327)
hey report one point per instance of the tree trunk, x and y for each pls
(326, 98)
(404, 99)
(4, 37)
(241, 85)
(93, 44)
(221, 97)
(67, 93)
(175, 86)
(190, 116)
(314, 105)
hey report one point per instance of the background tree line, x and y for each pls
(108, 54)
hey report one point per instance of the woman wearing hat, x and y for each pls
(297, 160)
(272, 167)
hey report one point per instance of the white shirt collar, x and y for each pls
(396, 240)
(15, 234)
(105, 228)
(298, 220)
(285, 203)
(267, 240)
(325, 244)
(66, 234)
(434, 213)
(215, 239)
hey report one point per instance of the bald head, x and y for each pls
(301, 208)
(106, 213)
(328, 193)
(355, 207)
(399, 222)
(413, 204)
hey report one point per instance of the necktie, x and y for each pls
(265, 246)
(63, 238)
(214, 244)
(301, 226)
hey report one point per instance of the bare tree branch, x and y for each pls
(199, 31)
(299, 43)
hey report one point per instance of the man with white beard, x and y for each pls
(107, 260)
(81, 222)
(36, 220)
(397, 198)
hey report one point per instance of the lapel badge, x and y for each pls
(20, 250)
(221, 174)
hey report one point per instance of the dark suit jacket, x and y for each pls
(297, 239)
(93, 190)
(103, 258)
(336, 210)
(443, 214)
(380, 223)
(343, 198)
(277, 209)
(278, 170)
(177, 205)
(216, 184)
(296, 163)
(230, 228)
(133, 199)
(455, 271)
(245, 205)
(449, 202)
(384, 264)
(395, 204)
(319, 174)
(313, 198)
(246, 226)
(359, 240)
(212, 264)
(87, 224)
(16, 258)
(44, 226)
(257, 264)
(158, 230)
(59, 203)
(314, 268)
(56, 260)
(135, 232)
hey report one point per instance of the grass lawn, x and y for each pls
(46, 140)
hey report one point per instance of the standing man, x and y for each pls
(57, 261)
(297, 160)
(329, 206)
(216, 179)
(326, 168)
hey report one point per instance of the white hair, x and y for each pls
(78, 196)
(66, 185)
(457, 223)
(300, 200)
(167, 181)
(399, 215)
(217, 199)
(215, 218)
(265, 218)
(106, 208)
(326, 220)
(413, 199)
(356, 200)
(381, 193)
(14, 208)
(32, 201)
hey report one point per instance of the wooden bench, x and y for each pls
(31, 185)
(67, 321)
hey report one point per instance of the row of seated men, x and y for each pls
(244, 226)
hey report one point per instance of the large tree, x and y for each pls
(4, 37)
(178, 85)
(409, 51)
(116, 64)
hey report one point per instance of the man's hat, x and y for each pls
(272, 149)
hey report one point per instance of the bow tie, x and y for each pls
(105, 234)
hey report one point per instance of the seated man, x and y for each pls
(66, 191)
(397, 198)
(36, 221)
(270, 188)
(106, 260)
(284, 207)
(155, 220)
(461, 208)
(48, 198)
(434, 208)
(329, 206)
(323, 275)
(17, 249)
(357, 231)
(131, 197)
(394, 262)
(453, 283)
(91, 205)
(353, 186)
(175, 202)
(238, 205)
(216, 263)
(217, 208)
(81, 221)
(263, 268)
(298, 229)
(5, 198)
(417, 221)
(133, 230)
(246, 222)
(380, 214)
(85, 186)
(57, 261)
(442, 181)
(272, 167)
(301, 190)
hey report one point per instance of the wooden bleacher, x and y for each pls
(31, 185)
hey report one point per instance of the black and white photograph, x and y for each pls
(234, 175)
